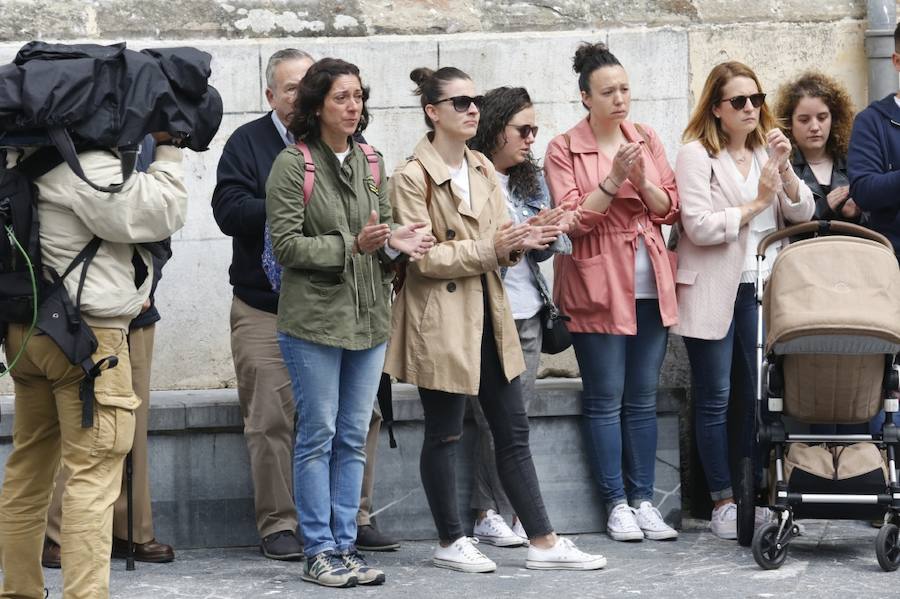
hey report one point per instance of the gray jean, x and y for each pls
(487, 491)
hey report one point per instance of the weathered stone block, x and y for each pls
(834, 48)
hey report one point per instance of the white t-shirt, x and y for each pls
(761, 225)
(342, 155)
(521, 287)
(644, 277)
(459, 180)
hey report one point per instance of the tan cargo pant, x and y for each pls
(140, 350)
(267, 408)
(47, 425)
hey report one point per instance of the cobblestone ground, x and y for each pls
(832, 559)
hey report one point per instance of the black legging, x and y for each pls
(504, 410)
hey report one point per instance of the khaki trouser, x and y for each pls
(47, 426)
(267, 408)
(140, 349)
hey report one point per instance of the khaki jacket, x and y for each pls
(438, 317)
(150, 207)
(329, 295)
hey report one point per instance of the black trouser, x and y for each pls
(504, 410)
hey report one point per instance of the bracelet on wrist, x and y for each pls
(606, 191)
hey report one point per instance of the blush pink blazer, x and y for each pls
(595, 285)
(712, 245)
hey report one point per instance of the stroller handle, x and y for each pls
(822, 227)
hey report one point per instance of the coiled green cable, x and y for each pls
(34, 299)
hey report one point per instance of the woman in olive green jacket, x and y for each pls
(333, 310)
(453, 331)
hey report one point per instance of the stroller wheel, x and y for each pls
(746, 504)
(887, 547)
(765, 549)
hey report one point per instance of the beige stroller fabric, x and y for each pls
(832, 309)
(833, 286)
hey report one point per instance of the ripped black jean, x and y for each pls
(504, 410)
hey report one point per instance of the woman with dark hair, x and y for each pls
(736, 186)
(333, 311)
(617, 286)
(817, 114)
(506, 131)
(453, 332)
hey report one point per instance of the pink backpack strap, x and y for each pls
(310, 178)
(372, 158)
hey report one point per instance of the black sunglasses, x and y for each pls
(738, 102)
(462, 103)
(525, 130)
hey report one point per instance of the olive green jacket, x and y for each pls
(329, 295)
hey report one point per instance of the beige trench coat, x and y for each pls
(438, 317)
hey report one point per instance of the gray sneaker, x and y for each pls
(328, 570)
(365, 574)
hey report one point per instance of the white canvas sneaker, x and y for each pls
(723, 522)
(562, 556)
(652, 524)
(493, 530)
(519, 531)
(622, 526)
(463, 556)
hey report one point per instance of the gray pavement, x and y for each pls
(832, 559)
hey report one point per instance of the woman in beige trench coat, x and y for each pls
(453, 333)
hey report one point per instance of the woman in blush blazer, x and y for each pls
(736, 185)
(618, 285)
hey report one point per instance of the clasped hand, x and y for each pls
(414, 240)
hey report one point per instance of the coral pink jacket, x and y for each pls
(595, 285)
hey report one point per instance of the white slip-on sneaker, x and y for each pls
(562, 556)
(622, 526)
(463, 556)
(652, 524)
(761, 515)
(723, 522)
(519, 530)
(493, 530)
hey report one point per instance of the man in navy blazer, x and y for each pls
(873, 160)
(264, 387)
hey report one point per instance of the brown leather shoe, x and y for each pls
(152, 551)
(50, 555)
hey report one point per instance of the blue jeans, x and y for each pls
(712, 362)
(334, 391)
(620, 376)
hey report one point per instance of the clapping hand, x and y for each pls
(779, 147)
(414, 240)
(373, 235)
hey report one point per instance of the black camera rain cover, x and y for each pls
(109, 96)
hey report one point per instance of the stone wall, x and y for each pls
(667, 62)
(158, 19)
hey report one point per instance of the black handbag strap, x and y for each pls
(63, 142)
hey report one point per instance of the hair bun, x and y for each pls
(420, 76)
(589, 54)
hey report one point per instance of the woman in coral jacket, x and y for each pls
(617, 286)
(736, 186)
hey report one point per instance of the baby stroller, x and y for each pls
(832, 310)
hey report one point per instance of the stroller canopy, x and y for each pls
(833, 295)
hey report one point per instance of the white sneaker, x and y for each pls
(761, 515)
(652, 524)
(462, 555)
(622, 526)
(493, 530)
(519, 531)
(723, 522)
(563, 556)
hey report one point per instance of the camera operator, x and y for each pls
(150, 207)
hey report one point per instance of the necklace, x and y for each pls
(818, 162)
(741, 159)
